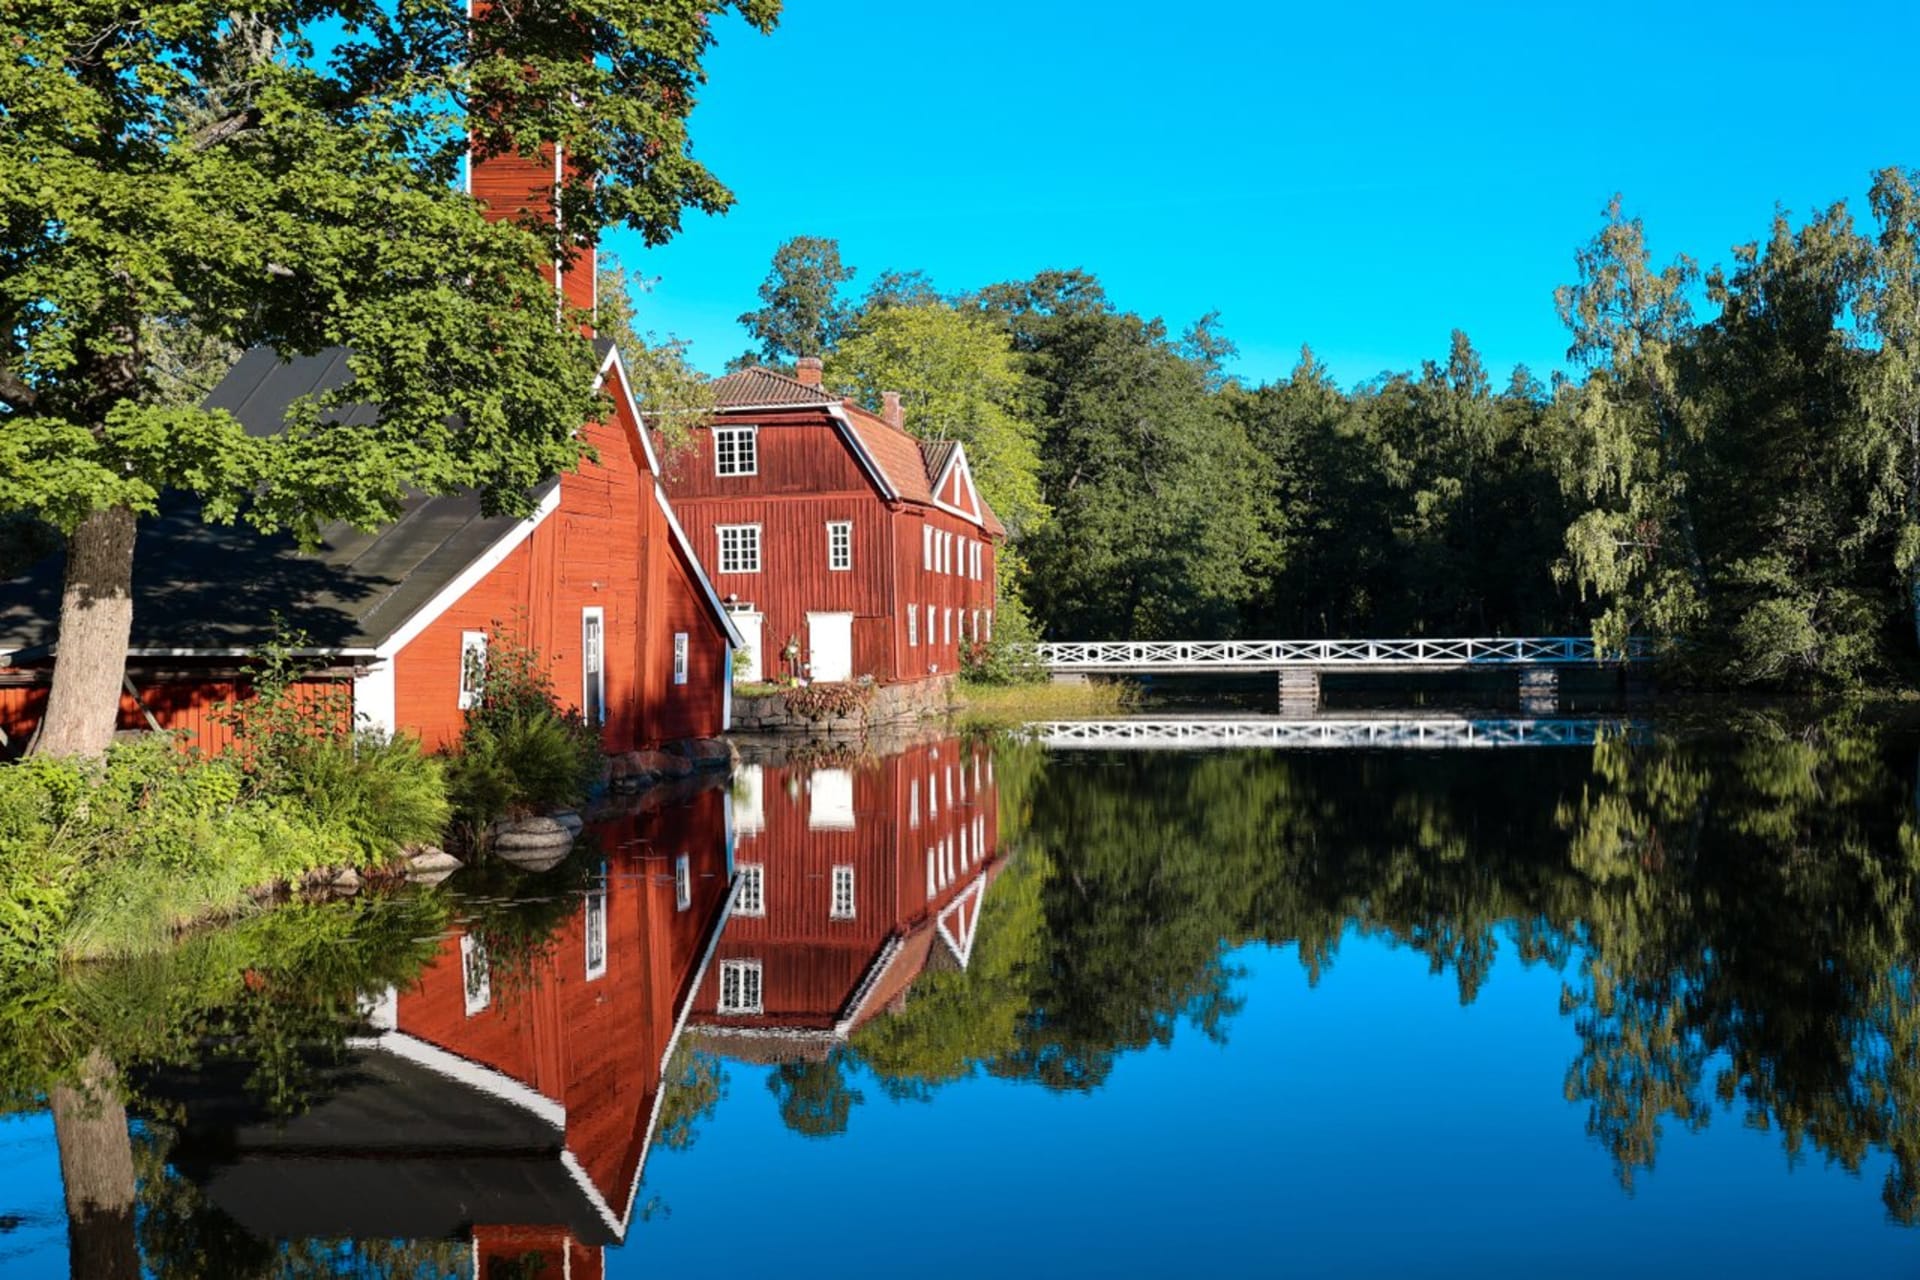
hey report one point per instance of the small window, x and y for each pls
(926, 548)
(739, 548)
(475, 973)
(913, 627)
(930, 627)
(593, 666)
(946, 626)
(842, 908)
(976, 562)
(830, 800)
(839, 544)
(740, 986)
(682, 883)
(753, 890)
(976, 626)
(473, 667)
(913, 804)
(989, 625)
(933, 796)
(679, 657)
(595, 931)
(946, 553)
(736, 451)
(931, 884)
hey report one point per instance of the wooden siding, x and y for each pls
(807, 477)
(517, 189)
(594, 1044)
(181, 700)
(813, 964)
(607, 546)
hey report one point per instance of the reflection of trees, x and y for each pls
(270, 1001)
(1735, 916)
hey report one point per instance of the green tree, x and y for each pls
(675, 398)
(1633, 548)
(1889, 306)
(801, 312)
(1147, 475)
(202, 180)
(958, 380)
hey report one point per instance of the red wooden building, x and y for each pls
(833, 535)
(853, 882)
(507, 1105)
(600, 580)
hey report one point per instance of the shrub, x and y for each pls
(372, 793)
(1008, 658)
(520, 752)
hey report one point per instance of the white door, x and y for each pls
(830, 645)
(749, 625)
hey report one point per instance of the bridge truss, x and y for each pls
(1420, 732)
(1119, 656)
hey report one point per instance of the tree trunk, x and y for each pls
(96, 622)
(96, 1167)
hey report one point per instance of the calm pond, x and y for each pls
(1435, 999)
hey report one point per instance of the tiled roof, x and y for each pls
(756, 387)
(896, 453)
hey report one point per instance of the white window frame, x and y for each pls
(734, 985)
(742, 544)
(946, 626)
(930, 626)
(926, 547)
(752, 899)
(474, 963)
(989, 626)
(913, 804)
(473, 668)
(842, 905)
(839, 546)
(946, 554)
(913, 627)
(680, 643)
(728, 440)
(682, 883)
(594, 927)
(593, 644)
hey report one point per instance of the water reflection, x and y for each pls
(474, 1082)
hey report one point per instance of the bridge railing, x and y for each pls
(1422, 732)
(1114, 655)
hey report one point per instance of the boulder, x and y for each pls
(710, 753)
(569, 819)
(532, 844)
(425, 864)
(347, 882)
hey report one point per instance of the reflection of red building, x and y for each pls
(852, 883)
(509, 1103)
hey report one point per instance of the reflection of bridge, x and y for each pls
(1317, 733)
(1300, 663)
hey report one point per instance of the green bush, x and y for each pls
(371, 792)
(1009, 658)
(520, 752)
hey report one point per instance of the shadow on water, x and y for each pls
(472, 1080)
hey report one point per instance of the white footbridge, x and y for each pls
(1149, 657)
(1535, 661)
(1422, 732)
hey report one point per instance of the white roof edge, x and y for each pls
(837, 411)
(468, 578)
(777, 408)
(617, 364)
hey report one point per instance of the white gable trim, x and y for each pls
(838, 413)
(617, 366)
(962, 947)
(469, 578)
(482, 1079)
(958, 463)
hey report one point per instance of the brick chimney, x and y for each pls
(890, 409)
(514, 188)
(808, 371)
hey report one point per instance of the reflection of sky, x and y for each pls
(33, 1231)
(1370, 1126)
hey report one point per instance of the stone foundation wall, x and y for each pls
(890, 704)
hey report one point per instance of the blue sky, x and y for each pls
(1364, 178)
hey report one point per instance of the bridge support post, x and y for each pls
(1539, 691)
(1299, 689)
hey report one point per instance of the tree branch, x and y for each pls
(18, 395)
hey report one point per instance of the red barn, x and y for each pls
(853, 882)
(833, 535)
(506, 1102)
(600, 580)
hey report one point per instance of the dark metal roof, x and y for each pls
(201, 586)
(937, 454)
(756, 387)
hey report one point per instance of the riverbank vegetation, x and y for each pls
(1733, 469)
(1001, 706)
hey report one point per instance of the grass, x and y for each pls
(983, 706)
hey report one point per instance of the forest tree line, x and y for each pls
(1732, 469)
